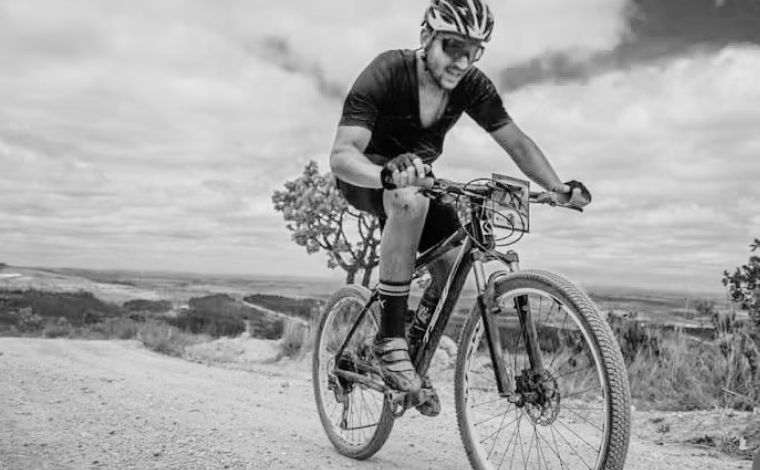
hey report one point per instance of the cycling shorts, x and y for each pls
(440, 223)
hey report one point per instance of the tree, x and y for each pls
(744, 287)
(320, 218)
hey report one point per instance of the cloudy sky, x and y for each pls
(151, 134)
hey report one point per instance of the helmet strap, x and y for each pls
(424, 57)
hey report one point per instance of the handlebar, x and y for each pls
(485, 189)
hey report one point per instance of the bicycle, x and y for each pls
(538, 375)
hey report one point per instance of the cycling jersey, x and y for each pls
(385, 100)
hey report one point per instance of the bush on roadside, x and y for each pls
(635, 338)
(302, 308)
(215, 315)
(57, 328)
(150, 306)
(686, 373)
(164, 338)
(77, 307)
(297, 340)
(119, 328)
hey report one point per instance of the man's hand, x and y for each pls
(406, 169)
(573, 193)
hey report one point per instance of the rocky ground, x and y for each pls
(71, 404)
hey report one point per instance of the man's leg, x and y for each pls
(406, 210)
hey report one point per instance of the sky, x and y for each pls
(150, 135)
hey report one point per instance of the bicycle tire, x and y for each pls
(357, 445)
(613, 412)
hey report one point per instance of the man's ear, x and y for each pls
(426, 35)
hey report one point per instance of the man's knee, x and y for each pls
(405, 203)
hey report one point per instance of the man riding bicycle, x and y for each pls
(394, 121)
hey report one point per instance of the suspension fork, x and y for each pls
(487, 308)
(528, 329)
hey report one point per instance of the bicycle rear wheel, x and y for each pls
(574, 416)
(357, 419)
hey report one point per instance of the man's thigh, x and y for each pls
(440, 222)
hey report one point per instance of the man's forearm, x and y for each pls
(352, 166)
(532, 161)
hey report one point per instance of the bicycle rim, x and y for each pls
(357, 419)
(572, 421)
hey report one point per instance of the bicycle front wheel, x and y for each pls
(356, 418)
(574, 415)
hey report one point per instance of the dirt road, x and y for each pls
(69, 404)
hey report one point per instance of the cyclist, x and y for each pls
(394, 121)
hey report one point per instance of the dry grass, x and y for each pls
(164, 338)
(692, 374)
(297, 339)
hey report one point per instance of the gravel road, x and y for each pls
(71, 404)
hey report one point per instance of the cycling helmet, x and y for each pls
(471, 18)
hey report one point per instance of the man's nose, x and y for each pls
(462, 62)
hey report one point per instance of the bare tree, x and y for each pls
(320, 218)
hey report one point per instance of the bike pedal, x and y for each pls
(413, 399)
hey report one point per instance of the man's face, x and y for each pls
(449, 57)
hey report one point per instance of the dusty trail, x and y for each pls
(70, 404)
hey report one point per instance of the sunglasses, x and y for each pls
(457, 48)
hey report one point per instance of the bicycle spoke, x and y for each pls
(488, 402)
(578, 393)
(562, 328)
(572, 447)
(499, 429)
(576, 434)
(492, 417)
(550, 446)
(584, 419)
(567, 374)
(530, 444)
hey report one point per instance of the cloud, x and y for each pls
(150, 135)
(655, 33)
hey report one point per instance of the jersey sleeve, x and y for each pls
(484, 103)
(367, 94)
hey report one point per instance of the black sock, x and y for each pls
(393, 298)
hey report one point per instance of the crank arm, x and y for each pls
(361, 379)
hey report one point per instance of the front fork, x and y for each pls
(488, 308)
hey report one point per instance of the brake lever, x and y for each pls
(570, 206)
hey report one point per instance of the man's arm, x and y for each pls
(349, 163)
(528, 157)
(347, 159)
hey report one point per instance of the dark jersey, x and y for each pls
(385, 100)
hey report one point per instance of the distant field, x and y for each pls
(119, 286)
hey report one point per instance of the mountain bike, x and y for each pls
(539, 380)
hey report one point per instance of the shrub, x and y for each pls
(200, 322)
(144, 305)
(57, 328)
(120, 328)
(302, 308)
(635, 337)
(166, 339)
(296, 341)
(77, 307)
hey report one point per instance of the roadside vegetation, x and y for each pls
(158, 324)
(670, 367)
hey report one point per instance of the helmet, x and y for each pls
(471, 18)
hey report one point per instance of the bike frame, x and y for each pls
(474, 243)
